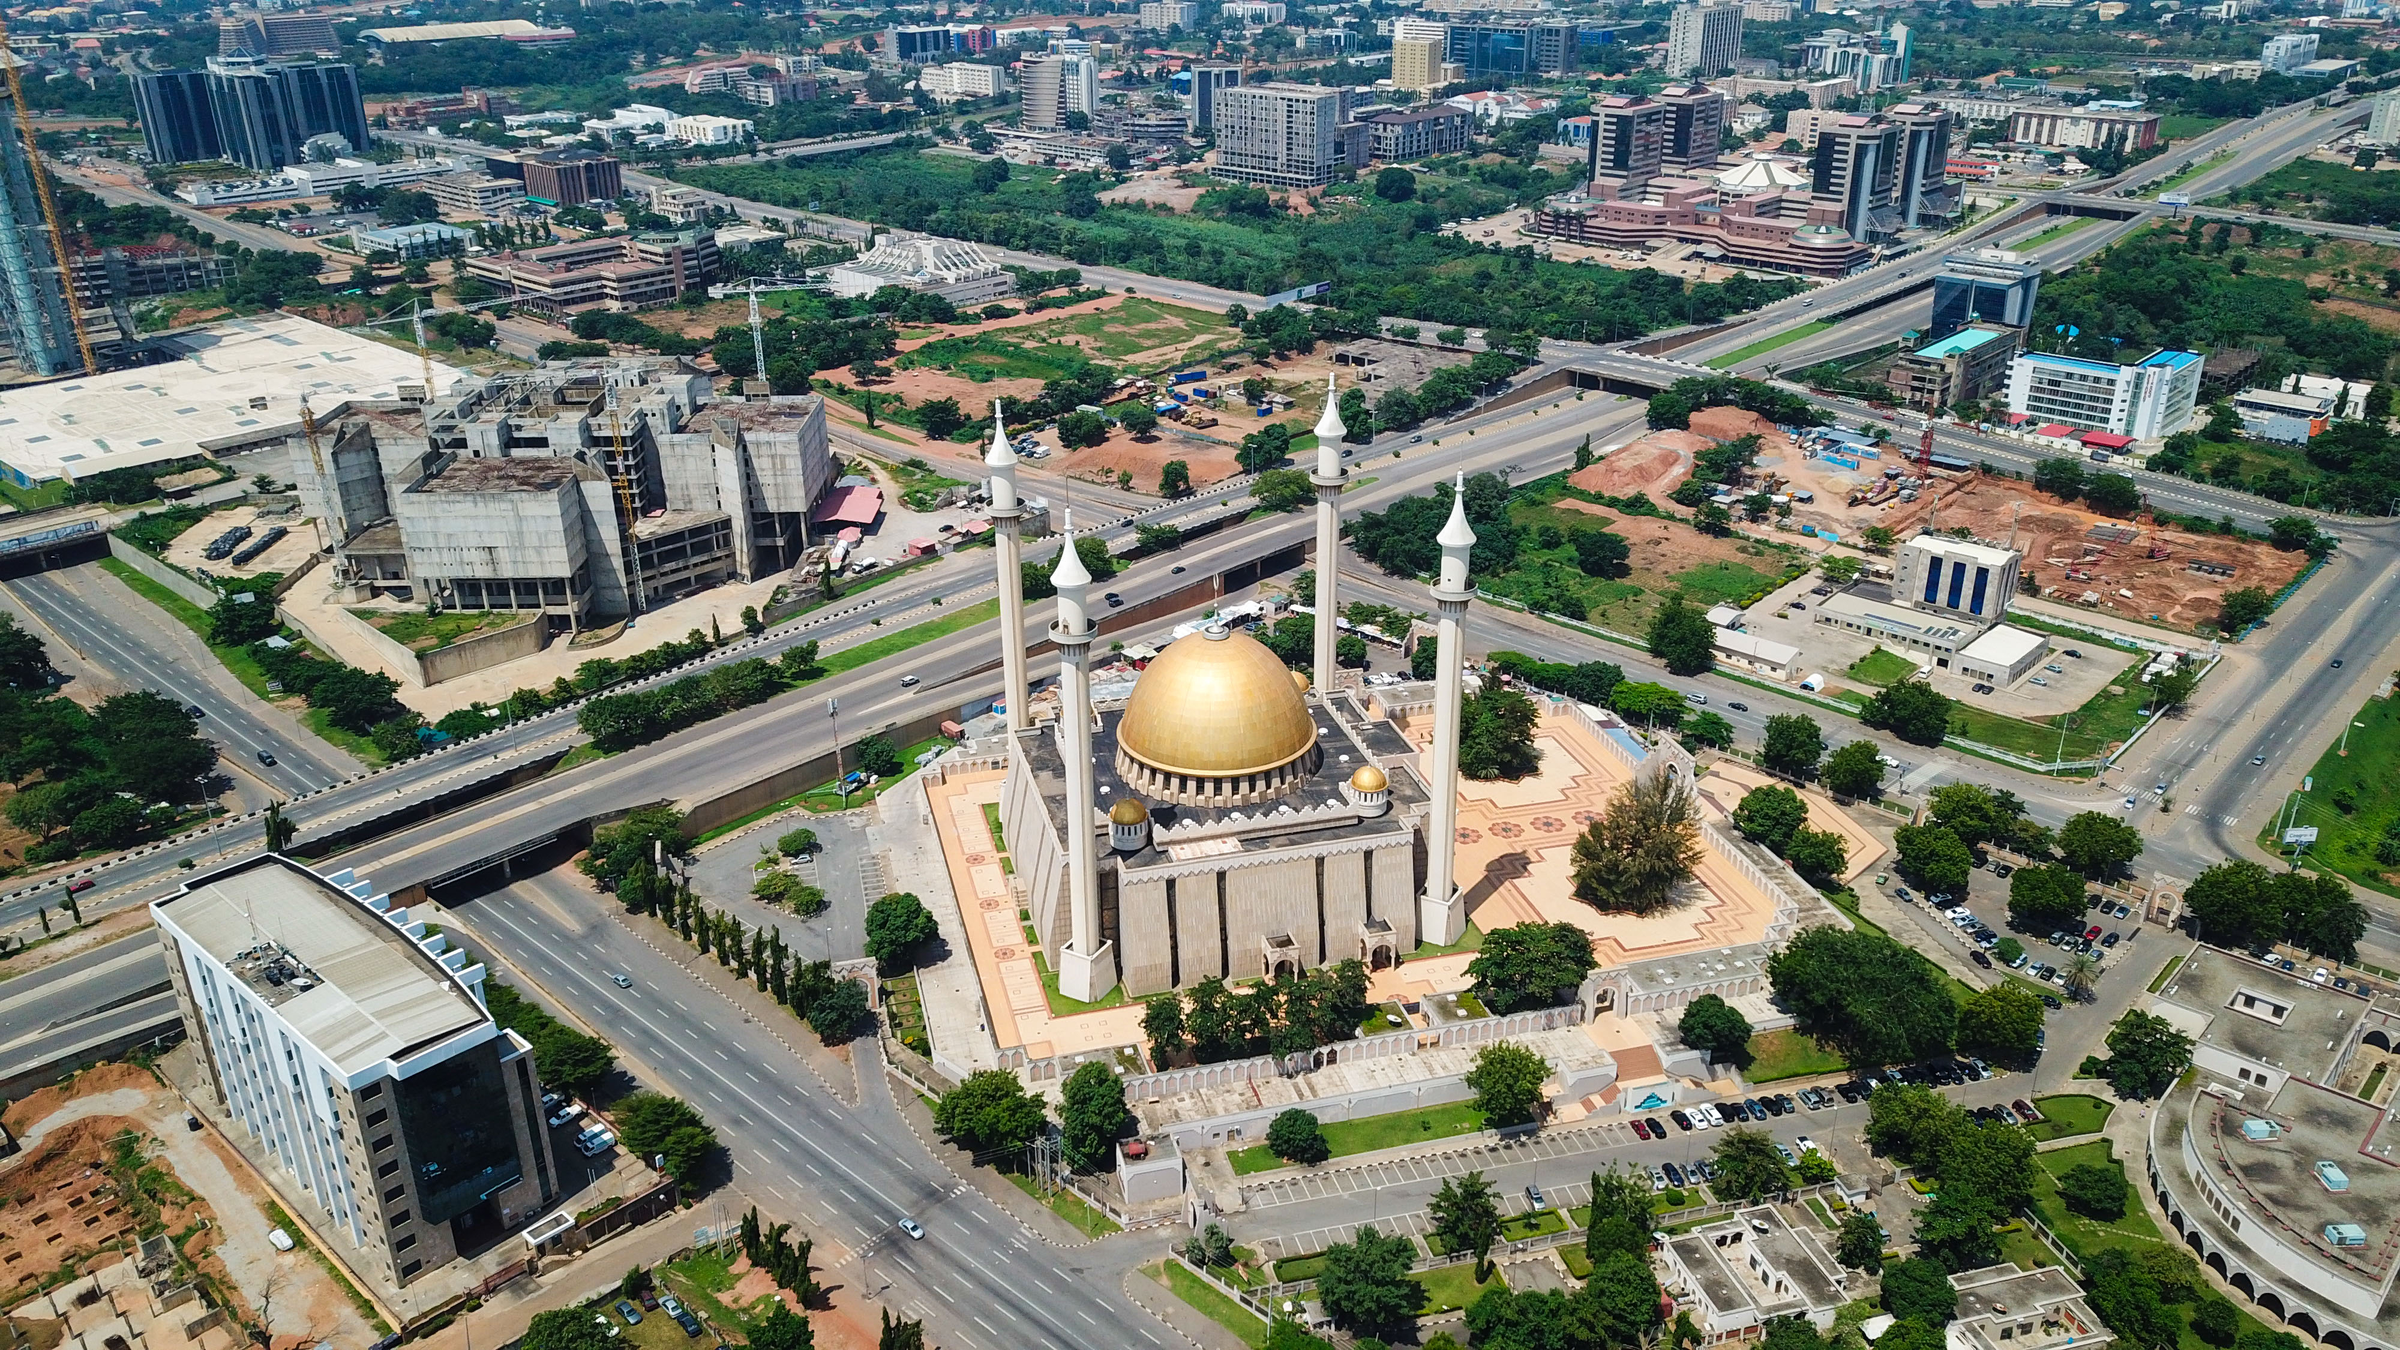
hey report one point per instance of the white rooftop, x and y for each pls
(2004, 646)
(1962, 548)
(378, 996)
(1755, 647)
(202, 402)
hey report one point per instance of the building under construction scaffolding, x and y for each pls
(584, 490)
(33, 291)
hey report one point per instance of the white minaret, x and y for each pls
(1006, 515)
(1442, 916)
(1087, 966)
(1328, 478)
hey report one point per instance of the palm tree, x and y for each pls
(2081, 974)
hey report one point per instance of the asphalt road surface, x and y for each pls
(135, 641)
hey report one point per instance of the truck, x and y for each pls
(1188, 377)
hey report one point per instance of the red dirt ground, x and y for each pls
(1655, 464)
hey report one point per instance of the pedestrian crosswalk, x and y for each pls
(2230, 822)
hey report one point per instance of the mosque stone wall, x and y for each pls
(1258, 902)
(1198, 938)
(1394, 894)
(1144, 940)
(1343, 904)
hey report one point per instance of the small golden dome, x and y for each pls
(1216, 704)
(1369, 779)
(1128, 811)
(1300, 680)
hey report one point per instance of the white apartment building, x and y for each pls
(1277, 135)
(1703, 40)
(1955, 577)
(1165, 14)
(1263, 12)
(2147, 400)
(710, 129)
(961, 80)
(354, 1049)
(2287, 52)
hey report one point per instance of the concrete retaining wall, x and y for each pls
(184, 586)
(704, 814)
(421, 669)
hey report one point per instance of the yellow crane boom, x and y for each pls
(41, 187)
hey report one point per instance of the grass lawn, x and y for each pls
(1469, 941)
(1765, 345)
(2174, 181)
(432, 632)
(2104, 720)
(2069, 1113)
(1211, 1301)
(579, 756)
(2184, 126)
(52, 493)
(2019, 1244)
(237, 659)
(891, 644)
(1136, 326)
(1453, 1287)
(1307, 1267)
(1578, 1264)
(1379, 1020)
(830, 798)
(2368, 780)
(1060, 1004)
(2135, 1232)
(2166, 974)
(2059, 231)
(1880, 667)
(999, 355)
(1069, 1206)
(1719, 583)
(1369, 1133)
(1776, 1055)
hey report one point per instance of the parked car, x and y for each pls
(682, 1315)
(566, 1113)
(1790, 1159)
(2112, 939)
(606, 1325)
(1641, 1128)
(1675, 1175)
(1658, 1128)
(631, 1314)
(1682, 1121)
(1533, 1198)
(1980, 688)
(1979, 958)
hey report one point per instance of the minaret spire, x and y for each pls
(1086, 965)
(1329, 479)
(1007, 518)
(1441, 915)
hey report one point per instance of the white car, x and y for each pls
(1805, 1144)
(1715, 1116)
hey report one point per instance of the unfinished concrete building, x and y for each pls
(585, 490)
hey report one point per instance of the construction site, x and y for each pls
(2136, 568)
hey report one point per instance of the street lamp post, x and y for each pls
(2345, 750)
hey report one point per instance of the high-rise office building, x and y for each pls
(2149, 399)
(249, 110)
(1695, 132)
(1987, 286)
(1703, 40)
(354, 1049)
(1924, 195)
(177, 125)
(1857, 167)
(1513, 49)
(2287, 52)
(1417, 63)
(34, 298)
(1207, 82)
(1277, 135)
(1053, 86)
(565, 177)
(1161, 15)
(277, 35)
(916, 46)
(1629, 135)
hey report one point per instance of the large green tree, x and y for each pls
(1466, 1215)
(1748, 1165)
(990, 1113)
(1683, 638)
(1507, 1081)
(1854, 771)
(1621, 1211)
(1864, 996)
(1910, 710)
(1530, 965)
(2045, 899)
(2145, 1053)
(1364, 1285)
(1495, 735)
(2098, 844)
(2002, 1023)
(1794, 745)
(1934, 858)
(1092, 1116)
(1645, 843)
(1770, 815)
(896, 926)
(1716, 1027)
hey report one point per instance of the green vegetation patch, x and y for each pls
(2059, 231)
(2084, 1237)
(432, 632)
(2069, 1113)
(1369, 1133)
(1069, 1206)
(892, 644)
(995, 356)
(1881, 667)
(1765, 345)
(2355, 841)
(1784, 1054)
(1454, 1287)
(1211, 1302)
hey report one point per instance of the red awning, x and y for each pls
(2106, 440)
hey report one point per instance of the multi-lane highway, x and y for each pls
(136, 643)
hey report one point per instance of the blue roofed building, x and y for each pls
(1967, 365)
(2147, 400)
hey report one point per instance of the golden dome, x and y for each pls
(1128, 811)
(1369, 779)
(1216, 704)
(1300, 680)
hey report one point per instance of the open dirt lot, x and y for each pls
(107, 1158)
(1656, 464)
(285, 555)
(2063, 556)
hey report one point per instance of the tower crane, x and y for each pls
(41, 188)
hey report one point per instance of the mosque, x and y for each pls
(1228, 817)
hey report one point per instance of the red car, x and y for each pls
(2091, 933)
(1641, 1128)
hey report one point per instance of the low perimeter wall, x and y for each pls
(188, 588)
(421, 669)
